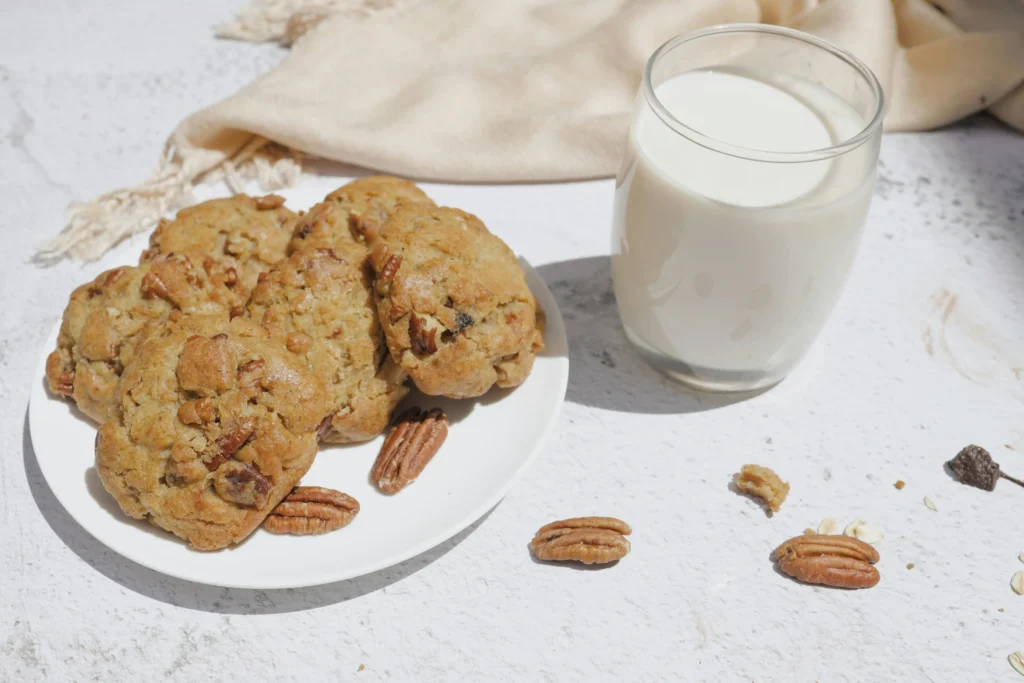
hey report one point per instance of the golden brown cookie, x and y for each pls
(218, 423)
(453, 301)
(354, 212)
(319, 302)
(233, 239)
(104, 317)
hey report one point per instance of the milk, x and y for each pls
(725, 268)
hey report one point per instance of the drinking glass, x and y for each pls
(741, 200)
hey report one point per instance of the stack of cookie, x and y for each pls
(248, 334)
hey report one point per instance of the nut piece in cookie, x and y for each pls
(763, 483)
(453, 301)
(104, 318)
(311, 510)
(218, 424)
(354, 212)
(837, 561)
(233, 239)
(319, 303)
(411, 443)
(590, 540)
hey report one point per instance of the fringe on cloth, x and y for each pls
(96, 226)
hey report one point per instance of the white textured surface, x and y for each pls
(88, 90)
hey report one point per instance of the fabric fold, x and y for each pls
(523, 90)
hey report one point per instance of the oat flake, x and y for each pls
(1017, 583)
(868, 534)
(1017, 662)
(863, 531)
(829, 527)
(930, 504)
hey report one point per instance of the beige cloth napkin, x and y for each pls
(523, 90)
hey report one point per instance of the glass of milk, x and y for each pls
(741, 200)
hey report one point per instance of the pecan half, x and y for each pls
(309, 510)
(411, 442)
(590, 540)
(837, 561)
(243, 483)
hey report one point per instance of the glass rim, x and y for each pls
(750, 153)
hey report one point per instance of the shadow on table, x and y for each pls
(180, 593)
(604, 369)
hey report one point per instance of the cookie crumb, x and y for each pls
(910, 565)
(809, 532)
(361, 667)
(1001, 609)
(899, 484)
(763, 483)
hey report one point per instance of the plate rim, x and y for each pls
(554, 315)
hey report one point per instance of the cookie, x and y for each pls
(456, 311)
(233, 239)
(218, 423)
(319, 303)
(354, 212)
(104, 318)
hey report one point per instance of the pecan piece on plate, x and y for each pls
(590, 540)
(310, 510)
(411, 442)
(837, 561)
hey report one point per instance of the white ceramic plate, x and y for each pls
(490, 444)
